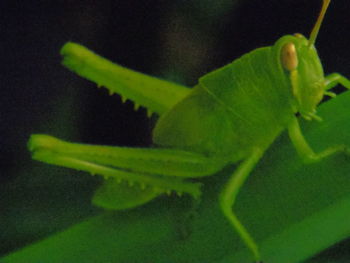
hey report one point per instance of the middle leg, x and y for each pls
(228, 198)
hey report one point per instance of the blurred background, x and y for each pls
(175, 40)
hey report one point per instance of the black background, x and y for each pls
(177, 40)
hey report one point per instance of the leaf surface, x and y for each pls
(293, 210)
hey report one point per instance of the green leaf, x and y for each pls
(293, 210)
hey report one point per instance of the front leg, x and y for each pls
(303, 148)
(334, 79)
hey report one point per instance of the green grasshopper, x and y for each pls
(232, 115)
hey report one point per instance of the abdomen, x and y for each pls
(242, 105)
(198, 124)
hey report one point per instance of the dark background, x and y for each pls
(176, 40)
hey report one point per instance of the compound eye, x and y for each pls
(298, 35)
(289, 57)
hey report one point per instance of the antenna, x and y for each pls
(319, 20)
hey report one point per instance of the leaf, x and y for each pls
(293, 210)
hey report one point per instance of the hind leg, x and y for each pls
(163, 169)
